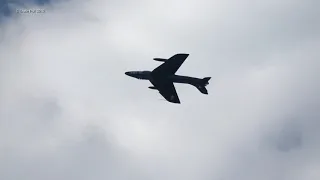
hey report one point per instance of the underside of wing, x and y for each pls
(170, 66)
(167, 90)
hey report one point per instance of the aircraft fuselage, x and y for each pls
(146, 75)
(164, 76)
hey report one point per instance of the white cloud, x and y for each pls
(68, 111)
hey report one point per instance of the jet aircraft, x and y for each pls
(164, 76)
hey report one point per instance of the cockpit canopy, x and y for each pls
(138, 72)
(135, 72)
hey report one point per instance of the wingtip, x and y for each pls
(184, 54)
(176, 102)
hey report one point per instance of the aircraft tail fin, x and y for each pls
(205, 81)
(202, 86)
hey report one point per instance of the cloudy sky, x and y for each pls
(67, 111)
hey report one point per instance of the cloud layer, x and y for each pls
(67, 111)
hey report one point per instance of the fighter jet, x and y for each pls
(164, 76)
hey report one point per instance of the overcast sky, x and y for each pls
(67, 111)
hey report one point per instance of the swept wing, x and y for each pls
(170, 66)
(160, 77)
(167, 90)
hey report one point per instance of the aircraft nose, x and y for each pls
(128, 74)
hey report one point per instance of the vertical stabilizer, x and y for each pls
(205, 81)
(202, 86)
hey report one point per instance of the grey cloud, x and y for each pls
(93, 156)
(289, 138)
(63, 74)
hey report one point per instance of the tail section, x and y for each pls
(206, 80)
(202, 86)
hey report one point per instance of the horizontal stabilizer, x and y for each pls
(202, 85)
(205, 80)
(202, 89)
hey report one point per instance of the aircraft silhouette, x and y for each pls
(164, 76)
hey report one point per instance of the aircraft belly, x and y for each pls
(181, 79)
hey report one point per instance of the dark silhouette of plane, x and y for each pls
(164, 76)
